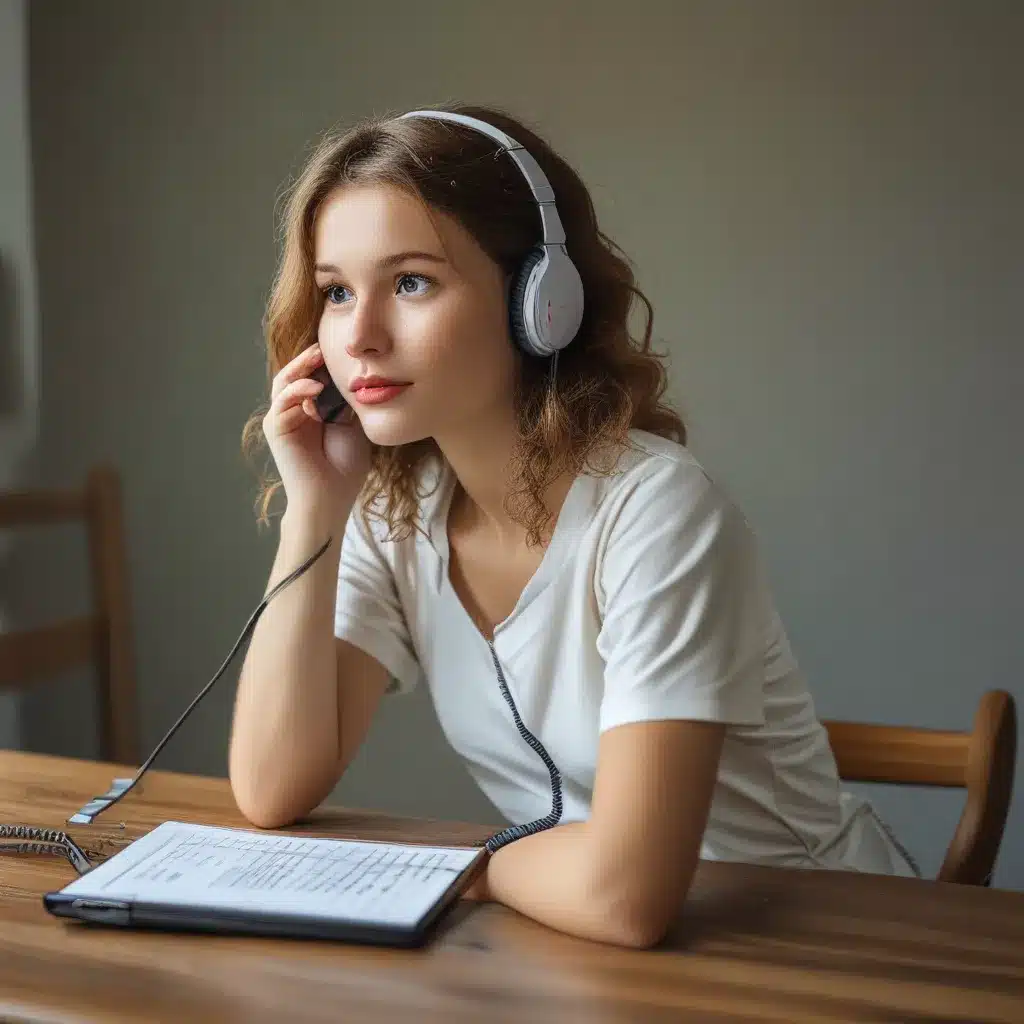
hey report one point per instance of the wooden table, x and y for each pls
(754, 944)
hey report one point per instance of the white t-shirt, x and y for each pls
(649, 603)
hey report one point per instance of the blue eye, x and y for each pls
(415, 279)
(331, 292)
(408, 284)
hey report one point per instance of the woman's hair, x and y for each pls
(607, 380)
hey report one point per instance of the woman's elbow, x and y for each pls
(637, 930)
(263, 807)
(636, 921)
(276, 800)
(262, 814)
(639, 907)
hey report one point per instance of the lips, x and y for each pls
(376, 390)
(376, 382)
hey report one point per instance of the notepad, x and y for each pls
(201, 876)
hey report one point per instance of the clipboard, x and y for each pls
(201, 878)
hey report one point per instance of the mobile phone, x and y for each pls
(329, 403)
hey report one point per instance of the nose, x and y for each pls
(366, 328)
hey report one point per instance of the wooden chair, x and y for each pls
(982, 761)
(102, 638)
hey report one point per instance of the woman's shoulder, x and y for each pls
(651, 464)
(657, 483)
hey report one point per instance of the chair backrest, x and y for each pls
(102, 638)
(981, 761)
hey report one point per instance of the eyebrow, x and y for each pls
(388, 261)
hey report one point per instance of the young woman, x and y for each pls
(515, 522)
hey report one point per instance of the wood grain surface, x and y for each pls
(752, 943)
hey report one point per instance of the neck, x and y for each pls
(480, 459)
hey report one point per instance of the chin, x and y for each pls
(390, 429)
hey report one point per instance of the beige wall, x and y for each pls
(19, 334)
(823, 202)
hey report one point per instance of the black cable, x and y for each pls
(119, 788)
(514, 832)
(122, 787)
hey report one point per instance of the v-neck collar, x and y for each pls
(576, 512)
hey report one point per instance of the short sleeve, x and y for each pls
(368, 612)
(682, 634)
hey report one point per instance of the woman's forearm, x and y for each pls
(556, 877)
(284, 734)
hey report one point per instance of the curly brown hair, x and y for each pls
(607, 380)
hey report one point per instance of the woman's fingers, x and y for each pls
(295, 393)
(309, 408)
(301, 366)
(287, 410)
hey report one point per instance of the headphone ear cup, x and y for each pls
(517, 302)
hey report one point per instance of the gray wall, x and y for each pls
(19, 336)
(823, 202)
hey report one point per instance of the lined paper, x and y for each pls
(204, 866)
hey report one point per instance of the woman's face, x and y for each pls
(414, 328)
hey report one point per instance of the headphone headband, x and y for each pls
(543, 193)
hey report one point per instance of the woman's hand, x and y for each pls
(317, 462)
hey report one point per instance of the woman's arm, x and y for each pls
(682, 642)
(283, 750)
(621, 876)
(318, 665)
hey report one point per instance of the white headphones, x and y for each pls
(546, 297)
